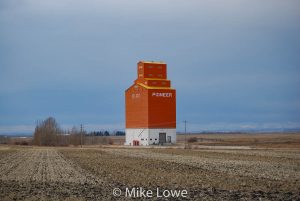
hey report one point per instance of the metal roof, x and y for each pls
(153, 62)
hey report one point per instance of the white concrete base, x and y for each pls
(147, 136)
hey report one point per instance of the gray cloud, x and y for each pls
(234, 57)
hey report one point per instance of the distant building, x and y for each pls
(150, 106)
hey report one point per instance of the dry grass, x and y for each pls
(257, 140)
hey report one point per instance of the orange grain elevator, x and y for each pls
(150, 106)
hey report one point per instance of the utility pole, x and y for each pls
(184, 133)
(81, 131)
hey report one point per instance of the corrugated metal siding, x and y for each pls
(162, 108)
(136, 107)
(151, 103)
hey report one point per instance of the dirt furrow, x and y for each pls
(34, 174)
(257, 169)
(10, 163)
(141, 167)
(44, 165)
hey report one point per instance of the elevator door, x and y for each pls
(162, 138)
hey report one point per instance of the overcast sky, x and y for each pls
(235, 63)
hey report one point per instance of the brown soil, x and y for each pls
(91, 173)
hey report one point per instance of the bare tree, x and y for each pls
(47, 133)
(75, 136)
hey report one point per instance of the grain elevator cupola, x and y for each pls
(150, 106)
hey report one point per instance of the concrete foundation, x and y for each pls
(146, 136)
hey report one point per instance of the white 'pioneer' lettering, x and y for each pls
(159, 94)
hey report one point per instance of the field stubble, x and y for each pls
(205, 174)
(35, 174)
(91, 174)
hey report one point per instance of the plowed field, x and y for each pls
(35, 174)
(92, 174)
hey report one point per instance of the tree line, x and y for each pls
(106, 133)
(49, 133)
